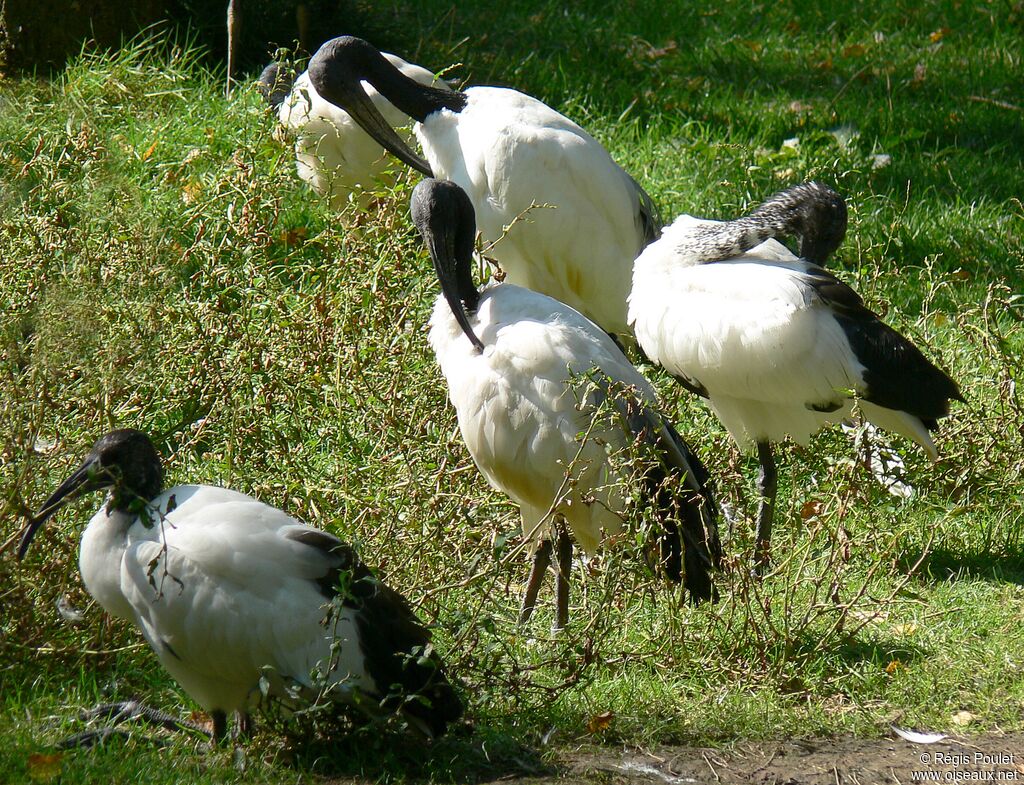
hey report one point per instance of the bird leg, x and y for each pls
(122, 712)
(234, 30)
(767, 485)
(220, 726)
(243, 726)
(541, 560)
(562, 567)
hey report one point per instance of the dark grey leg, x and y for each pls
(767, 485)
(564, 564)
(541, 560)
(243, 726)
(220, 726)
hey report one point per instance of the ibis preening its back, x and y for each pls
(778, 344)
(227, 589)
(527, 375)
(332, 153)
(510, 153)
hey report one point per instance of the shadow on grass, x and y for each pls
(464, 755)
(941, 565)
(863, 647)
(951, 130)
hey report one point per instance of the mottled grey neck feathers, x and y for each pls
(812, 212)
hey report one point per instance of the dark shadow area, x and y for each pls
(908, 99)
(728, 69)
(941, 565)
(464, 755)
(862, 647)
(29, 43)
(267, 25)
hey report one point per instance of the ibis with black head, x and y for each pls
(777, 344)
(333, 154)
(556, 213)
(528, 376)
(228, 590)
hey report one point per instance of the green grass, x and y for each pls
(162, 268)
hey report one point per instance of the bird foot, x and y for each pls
(120, 712)
(90, 738)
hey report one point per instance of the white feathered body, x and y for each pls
(522, 418)
(220, 593)
(756, 335)
(333, 155)
(509, 151)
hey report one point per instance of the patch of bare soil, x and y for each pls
(990, 758)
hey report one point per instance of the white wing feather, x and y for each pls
(195, 588)
(509, 151)
(519, 416)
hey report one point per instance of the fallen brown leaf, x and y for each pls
(43, 768)
(811, 509)
(894, 667)
(202, 719)
(600, 722)
(661, 51)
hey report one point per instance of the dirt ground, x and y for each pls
(990, 758)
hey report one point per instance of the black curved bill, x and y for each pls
(443, 254)
(83, 480)
(362, 110)
(447, 222)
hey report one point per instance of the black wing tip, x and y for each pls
(437, 705)
(691, 548)
(897, 374)
(400, 659)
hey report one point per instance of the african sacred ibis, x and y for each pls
(332, 153)
(511, 153)
(226, 589)
(777, 344)
(515, 361)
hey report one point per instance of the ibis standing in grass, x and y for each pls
(227, 590)
(528, 376)
(776, 343)
(333, 155)
(556, 212)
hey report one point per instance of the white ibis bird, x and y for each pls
(514, 360)
(511, 153)
(333, 155)
(226, 589)
(777, 344)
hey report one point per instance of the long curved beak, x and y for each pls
(347, 93)
(447, 222)
(83, 480)
(362, 110)
(442, 252)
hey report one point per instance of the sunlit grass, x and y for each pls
(162, 268)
